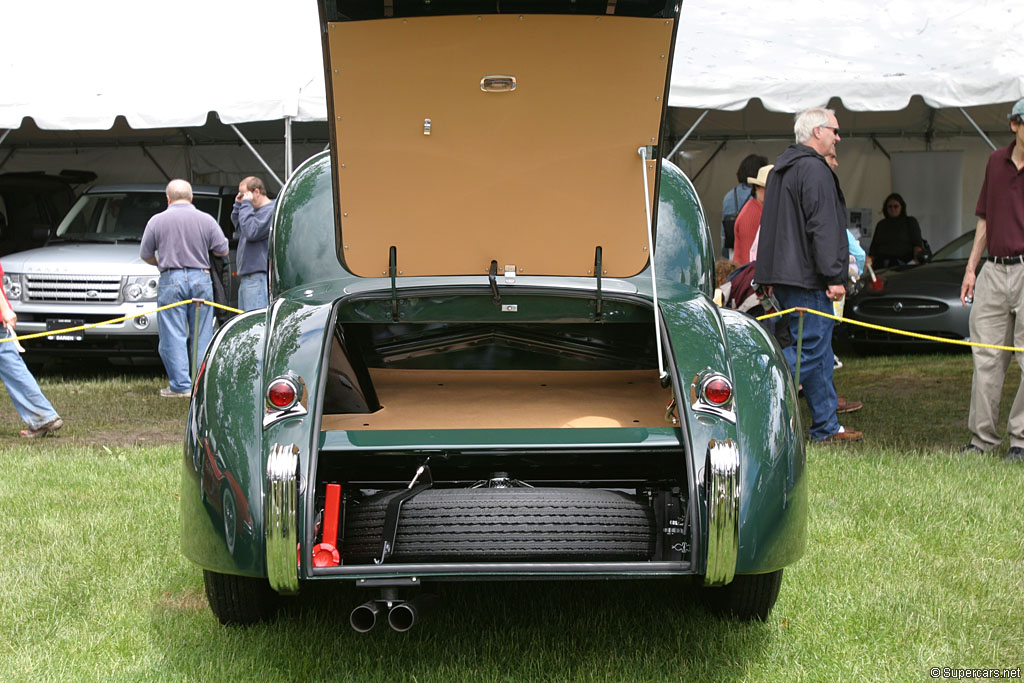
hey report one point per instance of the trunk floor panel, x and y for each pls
(510, 399)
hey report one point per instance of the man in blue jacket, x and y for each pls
(803, 255)
(251, 217)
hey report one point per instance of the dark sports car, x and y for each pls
(487, 356)
(917, 298)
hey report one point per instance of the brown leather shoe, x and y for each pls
(48, 428)
(842, 436)
(844, 406)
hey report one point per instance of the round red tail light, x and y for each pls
(718, 391)
(282, 394)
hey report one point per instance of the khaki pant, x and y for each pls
(997, 317)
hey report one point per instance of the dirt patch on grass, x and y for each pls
(189, 601)
(78, 432)
(150, 435)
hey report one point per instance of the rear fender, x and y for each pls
(222, 452)
(297, 346)
(773, 501)
(696, 336)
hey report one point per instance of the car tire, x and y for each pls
(747, 597)
(240, 600)
(504, 524)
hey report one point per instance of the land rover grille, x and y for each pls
(73, 288)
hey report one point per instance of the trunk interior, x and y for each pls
(533, 439)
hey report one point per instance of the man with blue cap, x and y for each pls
(997, 292)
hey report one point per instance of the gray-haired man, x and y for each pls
(803, 254)
(178, 240)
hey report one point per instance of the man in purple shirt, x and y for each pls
(997, 314)
(178, 241)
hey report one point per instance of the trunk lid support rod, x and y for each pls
(643, 152)
(597, 274)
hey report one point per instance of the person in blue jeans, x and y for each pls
(251, 215)
(178, 241)
(803, 255)
(27, 397)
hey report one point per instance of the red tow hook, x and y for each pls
(325, 553)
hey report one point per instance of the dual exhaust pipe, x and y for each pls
(402, 615)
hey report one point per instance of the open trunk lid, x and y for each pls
(470, 136)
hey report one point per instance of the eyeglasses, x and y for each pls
(835, 130)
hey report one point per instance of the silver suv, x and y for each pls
(90, 271)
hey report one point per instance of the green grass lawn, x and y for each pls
(915, 559)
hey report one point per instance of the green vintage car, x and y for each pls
(472, 368)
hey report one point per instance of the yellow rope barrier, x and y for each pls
(81, 328)
(917, 335)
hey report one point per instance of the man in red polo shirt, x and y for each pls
(998, 293)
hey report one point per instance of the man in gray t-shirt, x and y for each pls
(178, 240)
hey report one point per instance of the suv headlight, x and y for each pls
(12, 286)
(141, 288)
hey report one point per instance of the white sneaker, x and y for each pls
(167, 392)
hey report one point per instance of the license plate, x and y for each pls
(62, 323)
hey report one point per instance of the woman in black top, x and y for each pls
(897, 237)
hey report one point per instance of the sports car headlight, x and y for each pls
(12, 286)
(141, 288)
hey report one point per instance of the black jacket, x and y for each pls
(803, 224)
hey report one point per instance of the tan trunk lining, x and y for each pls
(504, 399)
(536, 177)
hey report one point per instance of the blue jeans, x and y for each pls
(23, 389)
(176, 324)
(252, 291)
(816, 356)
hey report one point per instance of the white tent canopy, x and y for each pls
(124, 85)
(72, 65)
(872, 54)
(77, 65)
(912, 82)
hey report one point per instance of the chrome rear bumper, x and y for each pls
(723, 492)
(280, 514)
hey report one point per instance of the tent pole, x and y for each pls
(188, 165)
(686, 135)
(876, 143)
(256, 154)
(977, 128)
(155, 163)
(710, 159)
(287, 147)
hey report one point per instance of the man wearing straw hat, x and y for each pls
(749, 220)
